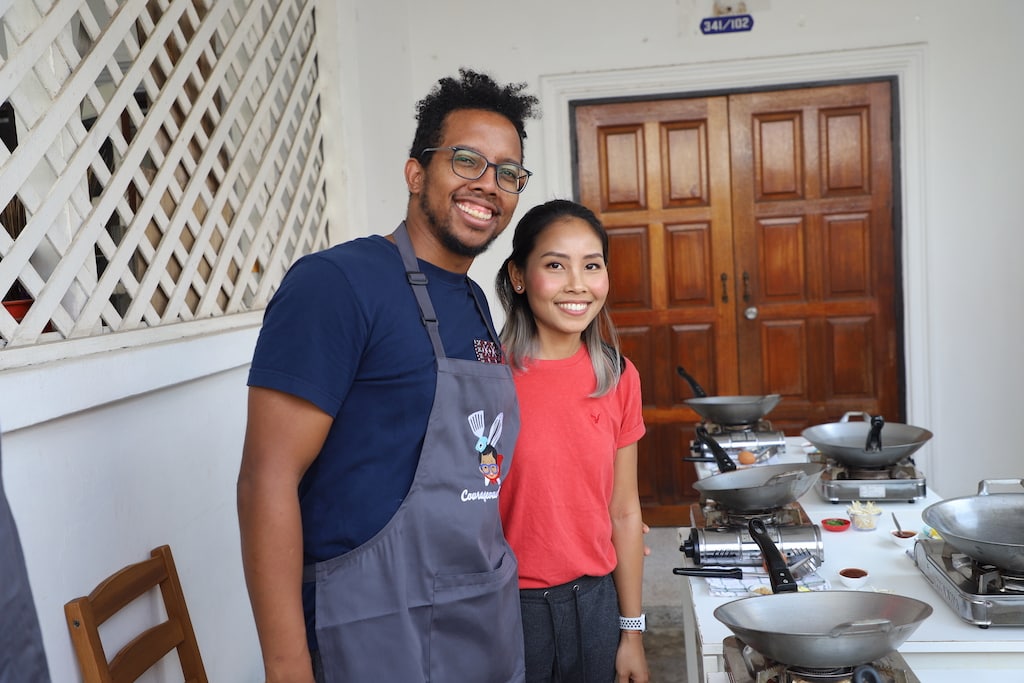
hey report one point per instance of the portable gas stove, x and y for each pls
(721, 536)
(839, 482)
(746, 665)
(980, 594)
(759, 438)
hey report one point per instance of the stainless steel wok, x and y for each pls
(821, 629)
(728, 410)
(824, 629)
(987, 527)
(869, 443)
(763, 487)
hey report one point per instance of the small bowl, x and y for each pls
(865, 521)
(835, 524)
(904, 539)
(853, 577)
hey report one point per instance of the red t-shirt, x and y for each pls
(554, 500)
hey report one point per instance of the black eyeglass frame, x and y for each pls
(524, 176)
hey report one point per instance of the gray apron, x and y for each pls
(434, 595)
(22, 659)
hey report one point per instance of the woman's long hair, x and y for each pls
(519, 334)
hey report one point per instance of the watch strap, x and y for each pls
(633, 623)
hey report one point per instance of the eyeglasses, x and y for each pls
(472, 165)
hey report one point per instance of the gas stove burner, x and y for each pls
(746, 665)
(902, 470)
(719, 537)
(759, 426)
(869, 473)
(711, 515)
(980, 594)
(900, 481)
(759, 438)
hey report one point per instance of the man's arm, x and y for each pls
(283, 436)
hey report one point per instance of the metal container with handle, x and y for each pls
(763, 487)
(728, 410)
(988, 527)
(871, 442)
(820, 629)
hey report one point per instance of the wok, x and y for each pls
(728, 410)
(820, 629)
(987, 527)
(870, 443)
(763, 487)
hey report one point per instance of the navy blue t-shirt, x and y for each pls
(343, 331)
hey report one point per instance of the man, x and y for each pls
(372, 550)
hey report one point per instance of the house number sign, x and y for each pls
(729, 24)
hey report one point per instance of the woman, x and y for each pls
(570, 506)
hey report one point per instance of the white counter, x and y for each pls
(942, 644)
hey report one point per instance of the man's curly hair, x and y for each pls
(472, 90)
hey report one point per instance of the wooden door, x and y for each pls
(751, 242)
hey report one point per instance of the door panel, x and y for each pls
(773, 202)
(657, 173)
(812, 207)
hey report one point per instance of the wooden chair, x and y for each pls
(86, 614)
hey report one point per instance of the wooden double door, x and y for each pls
(752, 242)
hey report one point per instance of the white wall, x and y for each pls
(95, 488)
(97, 476)
(964, 341)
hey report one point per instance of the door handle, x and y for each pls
(746, 287)
(725, 288)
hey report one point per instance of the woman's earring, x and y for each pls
(519, 288)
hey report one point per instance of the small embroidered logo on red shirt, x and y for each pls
(487, 351)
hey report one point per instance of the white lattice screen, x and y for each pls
(162, 160)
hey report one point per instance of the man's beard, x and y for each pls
(442, 230)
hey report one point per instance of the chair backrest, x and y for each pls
(86, 614)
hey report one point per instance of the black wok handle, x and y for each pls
(874, 441)
(698, 390)
(708, 572)
(725, 463)
(778, 572)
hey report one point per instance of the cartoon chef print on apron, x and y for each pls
(434, 595)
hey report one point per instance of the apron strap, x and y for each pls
(418, 281)
(487, 320)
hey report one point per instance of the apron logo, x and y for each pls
(489, 458)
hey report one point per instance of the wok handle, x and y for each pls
(854, 413)
(861, 627)
(725, 463)
(785, 477)
(698, 390)
(708, 572)
(778, 572)
(874, 440)
(985, 483)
